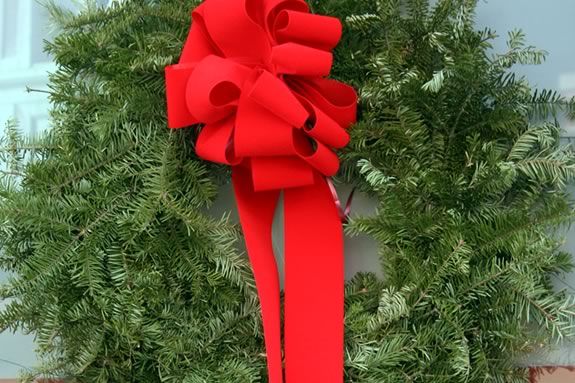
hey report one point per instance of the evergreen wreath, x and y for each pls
(122, 275)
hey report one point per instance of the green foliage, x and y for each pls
(470, 174)
(116, 267)
(122, 274)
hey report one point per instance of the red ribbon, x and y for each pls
(253, 72)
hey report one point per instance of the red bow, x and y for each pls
(253, 72)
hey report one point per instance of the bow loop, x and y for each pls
(274, 95)
(177, 77)
(270, 173)
(215, 144)
(253, 72)
(300, 60)
(322, 32)
(259, 132)
(316, 154)
(336, 99)
(322, 127)
(214, 87)
(234, 28)
(199, 44)
(272, 9)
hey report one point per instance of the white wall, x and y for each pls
(22, 63)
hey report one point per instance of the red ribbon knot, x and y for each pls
(253, 72)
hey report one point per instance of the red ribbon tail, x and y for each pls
(256, 211)
(314, 280)
(314, 285)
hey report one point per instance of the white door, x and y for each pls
(22, 64)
